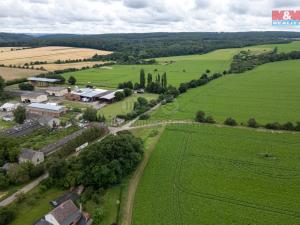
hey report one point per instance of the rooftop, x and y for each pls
(110, 96)
(66, 213)
(46, 106)
(27, 153)
(89, 92)
(32, 94)
(41, 79)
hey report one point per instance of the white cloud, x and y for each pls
(119, 16)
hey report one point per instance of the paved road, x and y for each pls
(23, 190)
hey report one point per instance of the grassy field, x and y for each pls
(35, 206)
(269, 93)
(49, 54)
(110, 111)
(210, 175)
(182, 68)
(15, 73)
(293, 46)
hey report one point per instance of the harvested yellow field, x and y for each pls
(9, 49)
(15, 73)
(49, 54)
(79, 65)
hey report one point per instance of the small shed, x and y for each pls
(29, 155)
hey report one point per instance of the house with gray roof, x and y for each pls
(29, 155)
(65, 214)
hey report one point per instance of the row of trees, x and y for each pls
(201, 118)
(245, 60)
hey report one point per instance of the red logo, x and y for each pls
(285, 14)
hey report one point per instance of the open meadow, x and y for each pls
(179, 69)
(49, 54)
(211, 175)
(269, 93)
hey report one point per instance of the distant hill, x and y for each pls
(11, 38)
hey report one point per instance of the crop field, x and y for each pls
(123, 107)
(269, 93)
(212, 175)
(49, 54)
(9, 49)
(179, 69)
(15, 73)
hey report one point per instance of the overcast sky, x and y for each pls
(126, 16)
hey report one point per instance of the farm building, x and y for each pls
(32, 97)
(42, 82)
(8, 107)
(57, 91)
(46, 110)
(29, 155)
(110, 97)
(87, 94)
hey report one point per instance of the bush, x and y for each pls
(252, 123)
(72, 80)
(273, 126)
(288, 126)
(20, 114)
(127, 92)
(119, 95)
(26, 87)
(230, 122)
(200, 117)
(144, 117)
(90, 114)
(210, 119)
(6, 216)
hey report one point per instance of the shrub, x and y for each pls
(230, 122)
(20, 114)
(6, 216)
(144, 117)
(200, 117)
(72, 80)
(288, 126)
(26, 87)
(119, 95)
(90, 114)
(127, 92)
(210, 119)
(273, 126)
(252, 123)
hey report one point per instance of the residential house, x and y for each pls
(66, 213)
(29, 155)
(33, 97)
(57, 91)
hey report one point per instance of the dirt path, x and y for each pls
(133, 184)
(23, 190)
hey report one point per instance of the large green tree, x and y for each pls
(20, 114)
(142, 78)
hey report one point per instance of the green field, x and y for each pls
(194, 66)
(269, 93)
(293, 46)
(110, 111)
(210, 175)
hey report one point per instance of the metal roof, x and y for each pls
(49, 80)
(110, 96)
(89, 93)
(46, 106)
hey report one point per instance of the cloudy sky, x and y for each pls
(124, 16)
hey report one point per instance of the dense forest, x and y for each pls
(129, 47)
